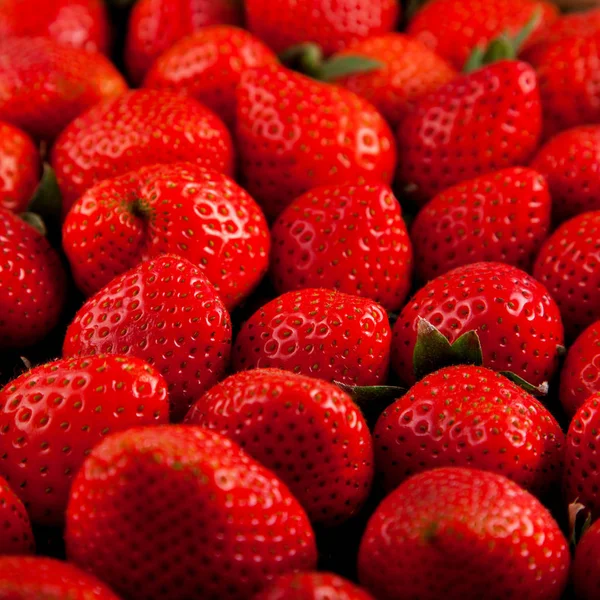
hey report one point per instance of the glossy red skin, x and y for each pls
(208, 66)
(52, 416)
(345, 237)
(182, 209)
(294, 134)
(502, 216)
(166, 312)
(20, 168)
(453, 28)
(567, 266)
(156, 25)
(586, 564)
(140, 128)
(44, 85)
(523, 338)
(33, 284)
(459, 533)
(307, 431)
(452, 136)
(230, 526)
(17, 537)
(319, 333)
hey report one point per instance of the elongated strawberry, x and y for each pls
(17, 537)
(586, 564)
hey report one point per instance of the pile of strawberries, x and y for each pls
(298, 306)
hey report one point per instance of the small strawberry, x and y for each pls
(502, 216)
(320, 333)
(458, 533)
(295, 134)
(166, 312)
(182, 512)
(17, 537)
(586, 564)
(349, 237)
(46, 85)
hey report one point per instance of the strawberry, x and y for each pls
(502, 216)
(140, 128)
(181, 208)
(586, 564)
(295, 134)
(458, 533)
(33, 283)
(516, 324)
(17, 537)
(182, 512)
(46, 85)
(156, 25)
(320, 333)
(166, 312)
(453, 134)
(307, 431)
(349, 237)
(208, 66)
(20, 168)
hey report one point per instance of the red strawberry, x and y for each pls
(208, 66)
(155, 25)
(20, 168)
(320, 333)
(502, 216)
(166, 312)
(182, 512)
(477, 123)
(17, 537)
(307, 431)
(517, 322)
(33, 283)
(586, 564)
(348, 237)
(295, 134)
(46, 85)
(458, 533)
(139, 128)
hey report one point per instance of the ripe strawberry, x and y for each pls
(140, 128)
(320, 333)
(502, 216)
(586, 564)
(20, 168)
(166, 312)
(33, 283)
(517, 322)
(17, 537)
(208, 66)
(295, 134)
(349, 237)
(458, 533)
(46, 85)
(453, 135)
(156, 25)
(182, 512)
(307, 431)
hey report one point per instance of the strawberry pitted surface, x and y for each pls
(586, 564)
(17, 537)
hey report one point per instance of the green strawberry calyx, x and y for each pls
(577, 528)
(35, 221)
(372, 400)
(46, 203)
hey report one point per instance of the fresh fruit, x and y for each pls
(452, 135)
(182, 209)
(307, 431)
(17, 537)
(46, 85)
(346, 237)
(586, 564)
(319, 333)
(295, 134)
(502, 216)
(458, 533)
(166, 312)
(208, 66)
(182, 512)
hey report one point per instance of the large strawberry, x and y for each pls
(586, 564)
(502, 216)
(295, 133)
(182, 512)
(140, 128)
(17, 537)
(45, 85)
(348, 237)
(182, 209)
(166, 312)
(320, 333)
(458, 533)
